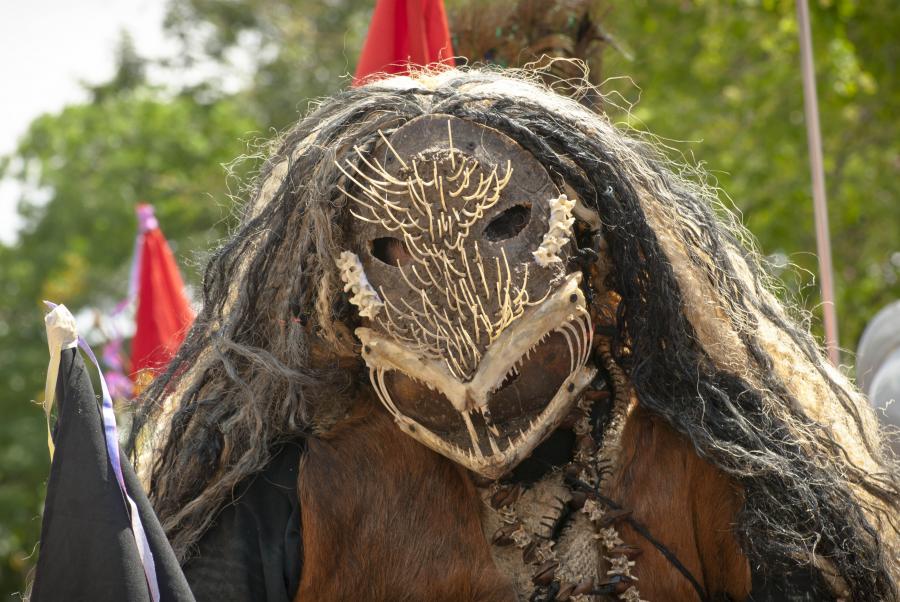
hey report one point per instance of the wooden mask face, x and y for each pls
(476, 337)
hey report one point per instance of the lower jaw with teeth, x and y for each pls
(524, 385)
(480, 441)
(503, 453)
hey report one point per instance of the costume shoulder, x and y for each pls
(253, 550)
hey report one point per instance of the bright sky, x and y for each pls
(48, 47)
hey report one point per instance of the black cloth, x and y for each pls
(87, 548)
(802, 584)
(253, 551)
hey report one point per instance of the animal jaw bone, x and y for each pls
(493, 466)
(503, 355)
(354, 277)
(559, 232)
(564, 311)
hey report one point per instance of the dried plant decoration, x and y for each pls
(536, 33)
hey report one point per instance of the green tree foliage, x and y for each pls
(718, 80)
(85, 169)
(721, 82)
(299, 49)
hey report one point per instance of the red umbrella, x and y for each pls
(404, 33)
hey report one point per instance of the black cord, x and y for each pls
(642, 530)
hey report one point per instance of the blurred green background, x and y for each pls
(718, 81)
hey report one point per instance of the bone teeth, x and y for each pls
(489, 422)
(585, 338)
(493, 443)
(571, 350)
(377, 379)
(589, 334)
(472, 434)
(570, 329)
(590, 328)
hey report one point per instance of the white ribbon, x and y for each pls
(61, 334)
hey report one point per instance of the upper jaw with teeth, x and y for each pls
(563, 312)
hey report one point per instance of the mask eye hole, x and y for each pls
(391, 251)
(509, 223)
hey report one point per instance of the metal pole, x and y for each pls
(814, 140)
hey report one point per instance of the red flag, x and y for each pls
(163, 312)
(404, 33)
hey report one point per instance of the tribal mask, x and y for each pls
(476, 335)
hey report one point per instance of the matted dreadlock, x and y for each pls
(704, 341)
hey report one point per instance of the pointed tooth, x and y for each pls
(493, 443)
(473, 435)
(489, 422)
(572, 359)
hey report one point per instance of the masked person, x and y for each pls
(473, 342)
